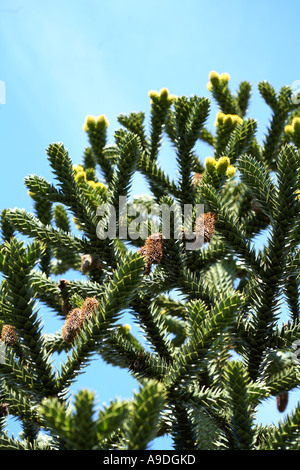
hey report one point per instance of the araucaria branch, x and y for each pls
(182, 262)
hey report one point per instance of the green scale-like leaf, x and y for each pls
(142, 423)
(241, 414)
(115, 298)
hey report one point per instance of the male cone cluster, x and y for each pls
(152, 250)
(282, 401)
(208, 220)
(90, 262)
(76, 317)
(9, 335)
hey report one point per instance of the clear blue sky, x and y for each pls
(62, 60)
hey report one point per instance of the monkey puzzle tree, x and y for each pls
(209, 356)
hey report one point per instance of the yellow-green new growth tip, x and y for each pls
(224, 77)
(126, 328)
(92, 183)
(289, 129)
(210, 164)
(102, 121)
(77, 168)
(80, 176)
(163, 95)
(154, 96)
(296, 124)
(237, 119)
(228, 120)
(214, 77)
(209, 86)
(89, 123)
(222, 165)
(33, 195)
(98, 186)
(219, 118)
(231, 171)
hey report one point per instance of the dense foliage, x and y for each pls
(212, 353)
